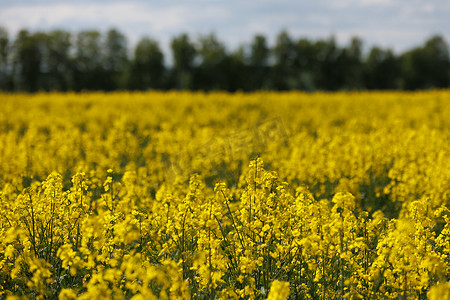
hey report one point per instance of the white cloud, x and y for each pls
(94, 15)
(376, 2)
(428, 8)
(399, 23)
(350, 4)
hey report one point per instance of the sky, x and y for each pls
(396, 24)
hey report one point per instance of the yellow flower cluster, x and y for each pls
(225, 196)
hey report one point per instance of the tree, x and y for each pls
(4, 65)
(306, 62)
(147, 68)
(283, 76)
(184, 54)
(437, 65)
(426, 67)
(115, 59)
(57, 63)
(26, 61)
(258, 63)
(89, 73)
(381, 69)
(91, 61)
(326, 65)
(238, 71)
(212, 68)
(351, 66)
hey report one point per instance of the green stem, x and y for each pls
(232, 220)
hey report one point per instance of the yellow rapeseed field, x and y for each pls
(225, 196)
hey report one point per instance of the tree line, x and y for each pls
(89, 60)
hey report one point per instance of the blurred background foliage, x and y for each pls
(90, 60)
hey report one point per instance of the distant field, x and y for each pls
(215, 195)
